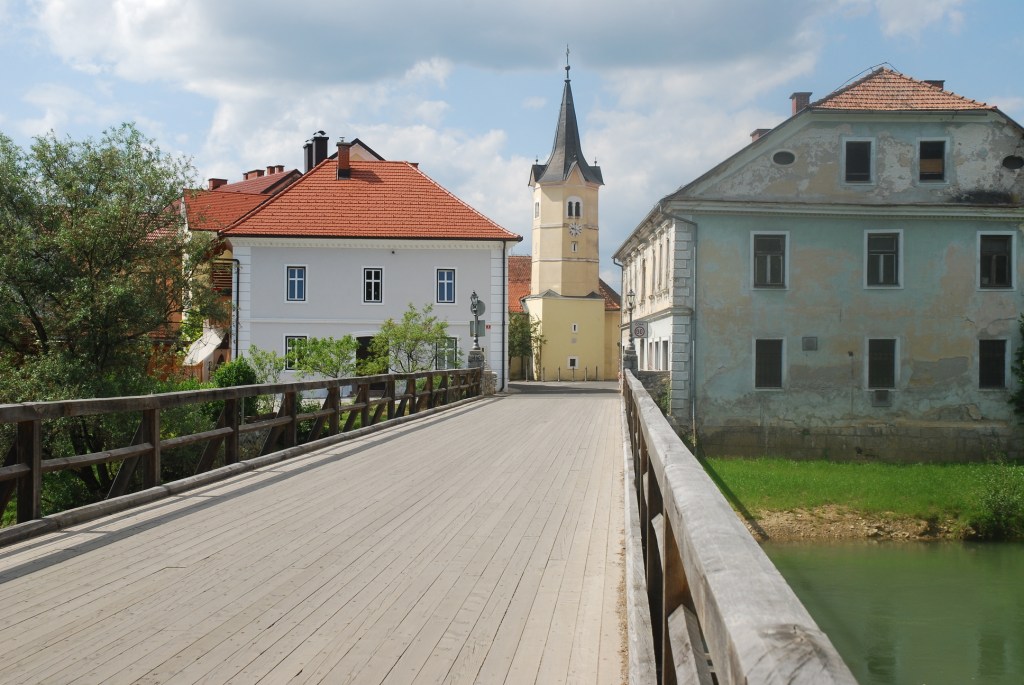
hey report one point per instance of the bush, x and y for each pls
(237, 372)
(1000, 506)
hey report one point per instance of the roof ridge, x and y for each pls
(887, 88)
(416, 168)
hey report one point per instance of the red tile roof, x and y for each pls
(211, 210)
(885, 89)
(519, 273)
(612, 301)
(267, 184)
(380, 200)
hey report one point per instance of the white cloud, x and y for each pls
(535, 102)
(910, 17)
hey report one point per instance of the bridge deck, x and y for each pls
(483, 545)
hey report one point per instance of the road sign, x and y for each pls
(639, 329)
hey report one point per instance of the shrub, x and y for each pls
(1000, 507)
(237, 372)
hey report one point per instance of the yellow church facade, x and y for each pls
(579, 314)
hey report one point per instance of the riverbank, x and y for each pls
(832, 522)
(783, 500)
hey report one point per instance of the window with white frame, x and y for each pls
(446, 286)
(768, 363)
(291, 359)
(995, 255)
(992, 364)
(373, 284)
(296, 284)
(857, 161)
(446, 354)
(574, 362)
(881, 363)
(769, 264)
(882, 259)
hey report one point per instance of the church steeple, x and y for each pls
(566, 151)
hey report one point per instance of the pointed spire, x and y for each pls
(566, 151)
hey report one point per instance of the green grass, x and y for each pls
(913, 490)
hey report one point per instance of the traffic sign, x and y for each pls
(639, 329)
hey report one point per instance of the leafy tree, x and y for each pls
(95, 268)
(1017, 371)
(522, 330)
(409, 345)
(267, 364)
(236, 372)
(330, 357)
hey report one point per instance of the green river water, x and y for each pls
(944, 613)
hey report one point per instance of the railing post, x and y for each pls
(674, 591)
(151, 434)
(291, 410)
(364, 413)
(231, 441)
(333, 403)
(30, 486)
(389, 388)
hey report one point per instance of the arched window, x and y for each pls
(573, 208)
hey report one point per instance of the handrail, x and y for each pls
(708, 582)
(22, 470)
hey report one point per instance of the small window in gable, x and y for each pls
(783, 158)
(858, 161)
(932, 160)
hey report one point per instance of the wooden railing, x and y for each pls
(397, 395)
(719, 609)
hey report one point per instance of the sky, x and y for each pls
(470, 89)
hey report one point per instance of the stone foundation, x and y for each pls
(904, 442)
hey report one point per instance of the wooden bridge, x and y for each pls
(483, 544)
(563, 535)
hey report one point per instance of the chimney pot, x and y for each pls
(215, 183)
(319, 147)
(801, 99)
(938, 83)
(757, 133)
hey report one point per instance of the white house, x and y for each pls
(848, 284)
(353, 242)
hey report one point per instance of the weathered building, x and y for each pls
(848, 284)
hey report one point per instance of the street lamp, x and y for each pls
(474, 306)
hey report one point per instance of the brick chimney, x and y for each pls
(344, 159)
(800, 100)
(938, 83)
(215, 183)
(271, 170)
(757, 133)
(279, 169)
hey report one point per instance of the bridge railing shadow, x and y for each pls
(237, 440)
(705, 603)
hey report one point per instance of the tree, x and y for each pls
(522, 330)
(410, 345)
(95, 274)
(267, 364)
(330, 357)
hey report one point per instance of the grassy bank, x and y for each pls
(984, 498)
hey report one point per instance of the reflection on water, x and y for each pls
(915, 613)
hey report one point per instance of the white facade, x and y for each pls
(333, 289)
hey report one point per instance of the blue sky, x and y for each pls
(664, 89)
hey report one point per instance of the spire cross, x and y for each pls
(567, 62)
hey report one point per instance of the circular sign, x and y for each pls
(639, 329)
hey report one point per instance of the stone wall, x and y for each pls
(908, 442)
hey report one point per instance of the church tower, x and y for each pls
(566, 292)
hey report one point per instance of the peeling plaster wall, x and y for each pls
(976, 144)
(937, 316)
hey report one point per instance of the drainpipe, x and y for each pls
(234, 292)
(504, 311)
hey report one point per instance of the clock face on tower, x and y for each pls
(575, 229)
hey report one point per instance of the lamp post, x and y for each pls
(474, 306)
(630, 301)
